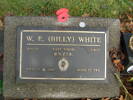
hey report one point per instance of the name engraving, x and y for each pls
(64, 39)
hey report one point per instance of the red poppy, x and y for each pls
(62, 15)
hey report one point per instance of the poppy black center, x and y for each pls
(63, 17)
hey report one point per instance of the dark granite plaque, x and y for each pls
(127, 48)
(51, 54)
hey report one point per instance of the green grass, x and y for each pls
(97, 8)
(1, 86)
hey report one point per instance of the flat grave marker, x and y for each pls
(48, 59)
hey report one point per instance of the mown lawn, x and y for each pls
(97, 8)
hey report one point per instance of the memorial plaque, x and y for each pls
(47, 54)
(127, 48)
(44, 58)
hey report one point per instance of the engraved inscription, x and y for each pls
(61, 55)
(64, 39)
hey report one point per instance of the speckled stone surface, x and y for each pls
(1, 40)
(57, 90)
(1, 51)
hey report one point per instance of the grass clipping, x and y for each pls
(128, 96)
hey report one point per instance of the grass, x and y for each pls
(1, 85)
(97, 8)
